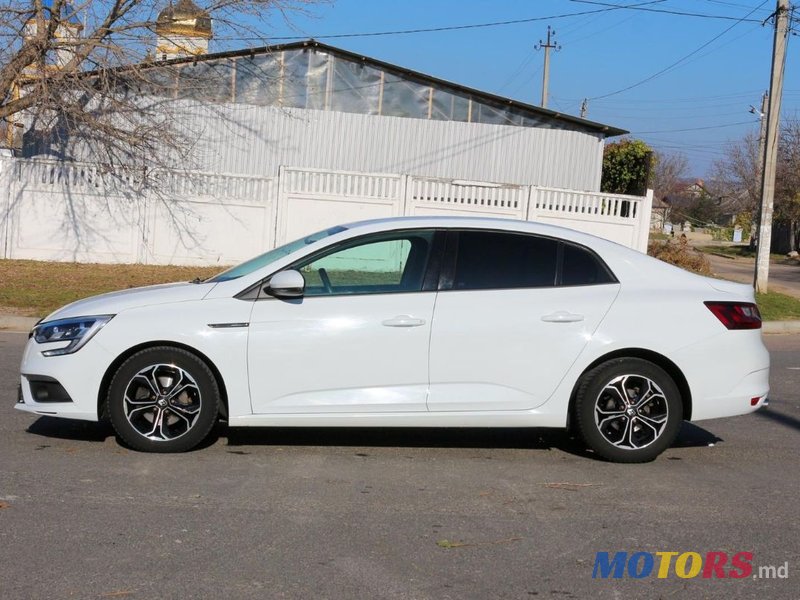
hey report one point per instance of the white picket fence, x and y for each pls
(76, 212)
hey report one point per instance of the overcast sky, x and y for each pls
(696, 107)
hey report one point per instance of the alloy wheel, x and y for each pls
(162, 402)
(631, 412)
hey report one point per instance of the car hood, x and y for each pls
(115, 302)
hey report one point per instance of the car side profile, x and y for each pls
(411, 322)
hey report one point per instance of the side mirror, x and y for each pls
(286, 284)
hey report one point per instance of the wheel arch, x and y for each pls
(112, 368)
(654, 357)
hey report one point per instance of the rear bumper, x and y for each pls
(748, 395)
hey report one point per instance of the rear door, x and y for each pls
(515, 312)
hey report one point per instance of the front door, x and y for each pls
(357, 341)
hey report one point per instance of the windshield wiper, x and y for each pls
(197, 280)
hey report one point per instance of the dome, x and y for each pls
(184, 18)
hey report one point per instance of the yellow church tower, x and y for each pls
(182, 30)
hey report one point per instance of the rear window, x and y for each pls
(582, 267)
(501, 260)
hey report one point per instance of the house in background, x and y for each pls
(660, 214)
(311, 105)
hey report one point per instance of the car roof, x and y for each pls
(626, 263)
(461, 222)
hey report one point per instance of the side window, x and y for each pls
(499, 260)
(378, 265)
(581, 267)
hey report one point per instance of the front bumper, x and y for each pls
(79, 375)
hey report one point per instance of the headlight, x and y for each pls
(77, 331)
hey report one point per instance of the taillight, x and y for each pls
(736, 315)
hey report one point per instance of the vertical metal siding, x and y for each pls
(252, 140)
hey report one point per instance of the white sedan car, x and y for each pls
(411, 322)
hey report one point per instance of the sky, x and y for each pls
(697, 107)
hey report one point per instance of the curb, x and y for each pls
(25, 324)
(17, 323)
(776, 327)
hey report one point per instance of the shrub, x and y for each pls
(681, 255)
(722, 234)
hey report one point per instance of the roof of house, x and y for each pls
(537, 112)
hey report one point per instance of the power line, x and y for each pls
(674, 12)
(679, 61)
(451, 27)
(694, 128)
(734, 4)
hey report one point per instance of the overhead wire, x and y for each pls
(676, 12)
(680, 60)
(450, 27)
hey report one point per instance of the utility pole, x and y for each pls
(551, 44)
(584, 107)
(771, 145)
(762, 138)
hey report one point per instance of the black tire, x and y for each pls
(163, 399)
(628, 410)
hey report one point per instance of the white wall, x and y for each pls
(74, 212)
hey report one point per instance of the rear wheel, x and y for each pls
(163, 399)
(628, 410)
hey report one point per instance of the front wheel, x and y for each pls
(628, 410)
(163, 399)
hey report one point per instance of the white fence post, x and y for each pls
(281, 199)
(404, 191)
(145, 250)
(644, 216)
(533, 199)
(6, 176)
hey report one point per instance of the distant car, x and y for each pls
(411, 322)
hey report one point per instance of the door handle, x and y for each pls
(562, 316)
(404, 321)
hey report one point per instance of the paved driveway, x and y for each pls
(390, 514)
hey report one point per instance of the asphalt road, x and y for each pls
(784, 278)
(391, 514)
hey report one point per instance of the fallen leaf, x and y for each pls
(565, 485)
(448, 544)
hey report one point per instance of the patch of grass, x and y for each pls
(657, 235)
(742, 250)
(35, 288)
(778, 307)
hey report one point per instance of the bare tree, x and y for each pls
(82, 70)
(669, 171)
(787, 188)
(736, 177)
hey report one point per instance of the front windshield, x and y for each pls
(263, 260)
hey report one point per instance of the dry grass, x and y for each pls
(680, 254)
(34, 288)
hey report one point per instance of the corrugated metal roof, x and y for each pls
(534, 111)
